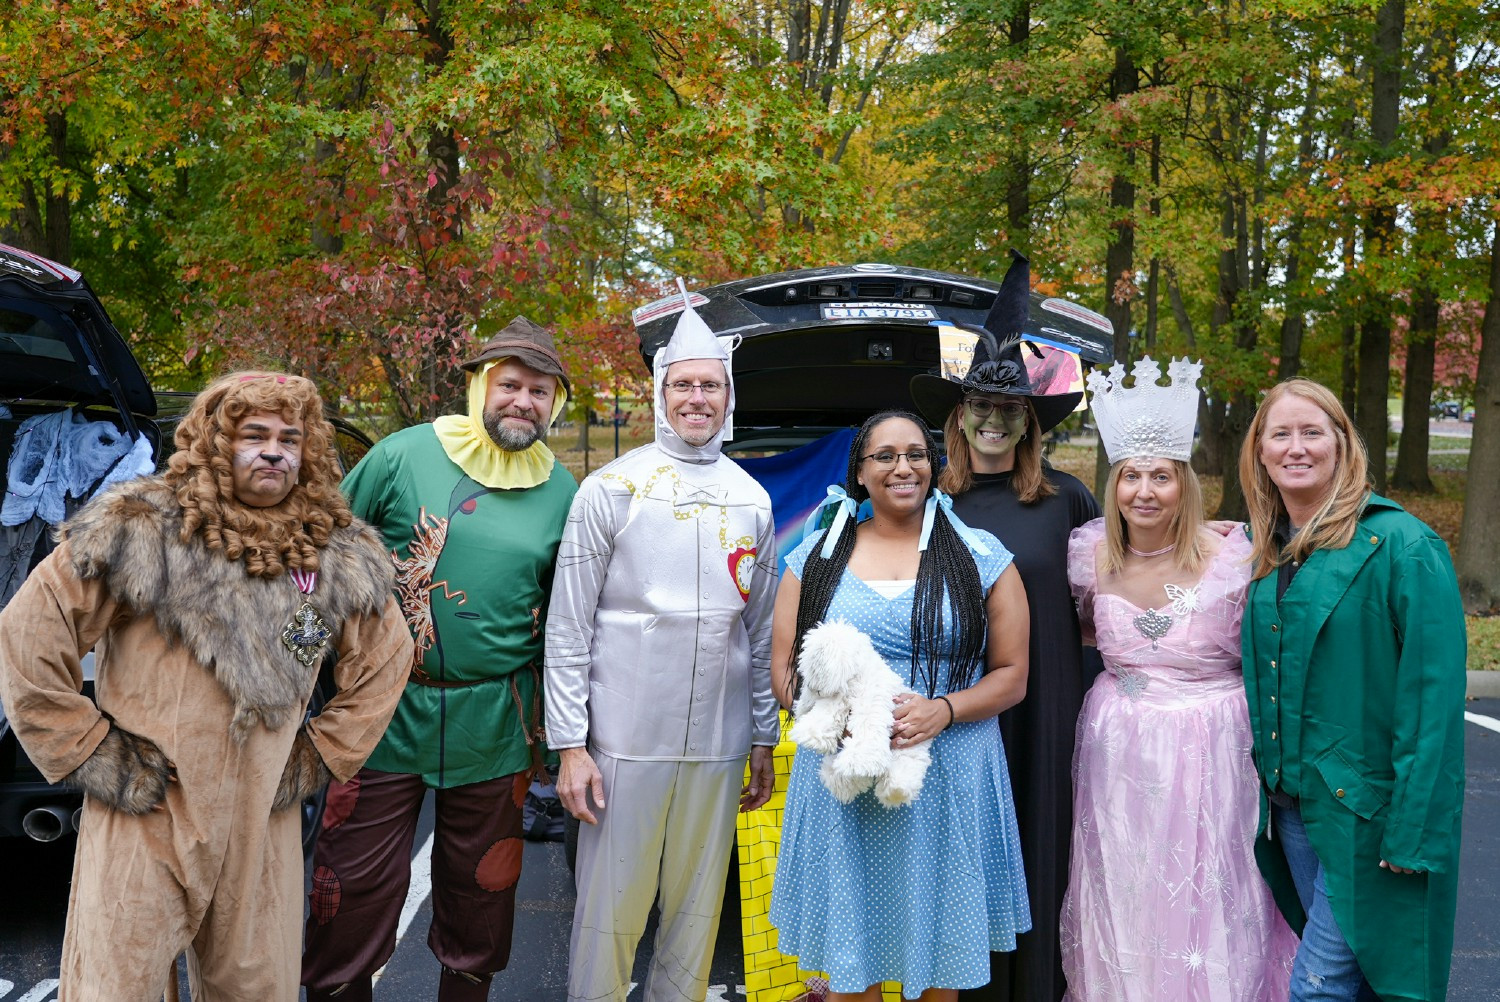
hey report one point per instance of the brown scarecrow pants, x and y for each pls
(362, 866)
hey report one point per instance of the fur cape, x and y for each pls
(129, 537)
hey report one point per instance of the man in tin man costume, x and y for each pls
(471, 507)
(658, 680)
(210, 594)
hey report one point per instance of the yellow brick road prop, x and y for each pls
(770, 975)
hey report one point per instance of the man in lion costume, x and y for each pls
(210, 594)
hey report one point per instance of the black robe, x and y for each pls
(1039, 731)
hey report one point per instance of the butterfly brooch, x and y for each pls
(1184, 600)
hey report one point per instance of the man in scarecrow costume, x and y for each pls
(658, 679)
(210, 594)
(471, 507)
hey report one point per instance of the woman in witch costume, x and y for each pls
(993, 422)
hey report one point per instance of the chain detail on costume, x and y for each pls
(683, 514)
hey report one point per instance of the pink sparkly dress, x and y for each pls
(1164, 900)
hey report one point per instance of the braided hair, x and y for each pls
(946, 571)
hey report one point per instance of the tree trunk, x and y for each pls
(1349, 370)
(1247, 272)
(1237, 418)
(59, 205)
(1018, 190)
(1018, 202)
(1421, 342)
(1153, 272)
(1214, 453)
(1119, 256)
(1348, 330)
(325, 234)
(325, 229)
(1218, 459)
(1370, 399)
(43, 222)
(442, 141)
(1479, 538)
(1421, 357)
(1208, 458)
(1294, 322)
(1380, 230)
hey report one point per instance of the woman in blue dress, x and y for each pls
(919, 894)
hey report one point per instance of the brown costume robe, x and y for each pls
(189, 656)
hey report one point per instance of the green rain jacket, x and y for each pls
(1355, 681)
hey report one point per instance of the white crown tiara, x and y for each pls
(1146, 419)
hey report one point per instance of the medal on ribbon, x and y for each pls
(306, 635)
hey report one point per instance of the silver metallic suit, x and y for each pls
(658, 659)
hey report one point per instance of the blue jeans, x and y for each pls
(1325, 969)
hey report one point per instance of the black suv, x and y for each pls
(58, 350)
(824, 348)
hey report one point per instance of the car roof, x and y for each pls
(828, 346)
(57, 342)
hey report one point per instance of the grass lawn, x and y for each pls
(564, 442)
(1484, 643)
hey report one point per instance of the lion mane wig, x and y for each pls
(268, 540)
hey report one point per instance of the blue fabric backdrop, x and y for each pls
(798, 480)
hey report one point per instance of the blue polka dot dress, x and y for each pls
(919, 894)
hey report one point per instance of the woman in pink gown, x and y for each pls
(1164, 899)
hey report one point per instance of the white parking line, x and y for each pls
(1483, 721)
(416, 893)
(41, 991)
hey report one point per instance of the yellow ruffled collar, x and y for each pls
(464, 439)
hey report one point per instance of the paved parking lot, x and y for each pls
(35, 899)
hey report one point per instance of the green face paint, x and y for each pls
(993, 437)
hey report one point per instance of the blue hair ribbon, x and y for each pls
(847, 508)
(936, 500)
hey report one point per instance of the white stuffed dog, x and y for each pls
(848, 687)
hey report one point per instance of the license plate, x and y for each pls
(877, 311)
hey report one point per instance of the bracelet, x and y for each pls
(950, 711)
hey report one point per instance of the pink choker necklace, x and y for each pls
(1153, 553)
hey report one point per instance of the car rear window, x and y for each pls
(32, 335)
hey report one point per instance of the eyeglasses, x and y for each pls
(916, 459)
(683, 388)
(981, 408)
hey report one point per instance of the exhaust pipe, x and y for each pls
(46, 824)
(78, 818)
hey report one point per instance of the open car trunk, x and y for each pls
(73, 401)
(827, 347)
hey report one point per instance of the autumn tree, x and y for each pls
(1479, 537)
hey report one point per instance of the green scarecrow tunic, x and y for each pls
(1355, 682)
(473, 568)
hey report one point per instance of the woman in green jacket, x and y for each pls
(1354, 657)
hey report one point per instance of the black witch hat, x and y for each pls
(1000, 360)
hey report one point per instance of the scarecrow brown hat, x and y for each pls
(528, 344)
